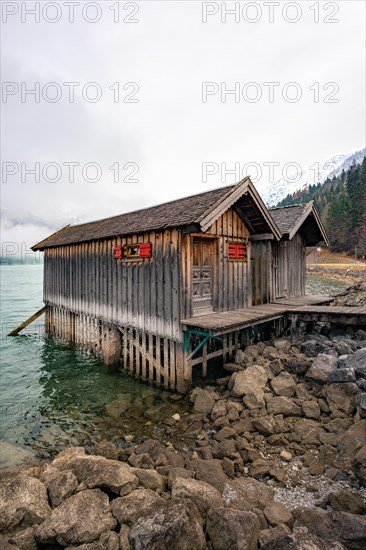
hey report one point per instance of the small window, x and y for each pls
(133, 251)
(237, 251)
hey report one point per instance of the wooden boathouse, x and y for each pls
(163, 289)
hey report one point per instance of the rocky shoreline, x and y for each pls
(272, 456)
(345, 274)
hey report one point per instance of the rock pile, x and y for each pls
(273, 456)
(353, 296)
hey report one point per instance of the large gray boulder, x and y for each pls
(219, 409)
(301, 541)
(283, 405)
(311, 408)
(298, 364)
(253, 378)
(277, 514)
(284, 384)
(254, 399)
(130, 508)
(63, 459)
(23, 502)
(204, 496)
(150, 479)
(348, 529)
(357, 361)
(97, 471)
(210, 471)
(81, 518)
(265, 425)
(342, 397)
(268, 535)
(175, 524)
(61, 486)
(232, 529)
(246, 494)
(321, 368)
(24, 540)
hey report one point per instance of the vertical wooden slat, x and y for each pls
(158, 360)
(143, 355)
(137, 351)
(175, 285)
(129, 364)
(166, 363)
(172, 365)
(150, 286)
(167, 286)
(159, 285)
(150, 358)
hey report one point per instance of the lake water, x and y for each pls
(317, 284)
(53, 395)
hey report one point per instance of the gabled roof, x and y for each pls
(250, 207)
(197, 210)
(290, 219)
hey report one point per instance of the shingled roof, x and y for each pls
(290, 219)
(287, 216)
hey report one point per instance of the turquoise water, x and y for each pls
(54, 395)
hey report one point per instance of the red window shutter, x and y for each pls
(237, 251)
(145, 250)
(241, 251)
(232, 251)
(118, 252)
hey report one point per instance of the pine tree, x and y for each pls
(341, 202)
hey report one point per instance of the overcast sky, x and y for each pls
(161, 69)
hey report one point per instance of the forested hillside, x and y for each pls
(341, 202)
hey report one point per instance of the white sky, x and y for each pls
(170, 132)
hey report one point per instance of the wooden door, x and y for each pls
(280, 270)
(202, 282)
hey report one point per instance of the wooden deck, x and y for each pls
(306, 308)
(336, 314)
(308, 300)
(228, 321)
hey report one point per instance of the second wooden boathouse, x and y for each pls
(135, 287)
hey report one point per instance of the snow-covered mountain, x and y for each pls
(273, 193)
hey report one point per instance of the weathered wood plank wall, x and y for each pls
(85, 278)
(232, 288)
(262, 278)
(289, 267)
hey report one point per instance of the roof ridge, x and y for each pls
(290, 205)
